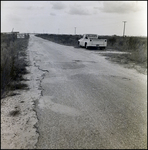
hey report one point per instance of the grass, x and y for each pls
(69, 40)
(13, 63)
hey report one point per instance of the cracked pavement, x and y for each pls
(86, 101)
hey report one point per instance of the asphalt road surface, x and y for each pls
(86, 101)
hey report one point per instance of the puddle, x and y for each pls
(46, 102)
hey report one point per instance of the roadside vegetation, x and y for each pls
(13, 63)
(136, 46)
(69, 40)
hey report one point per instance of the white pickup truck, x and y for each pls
(91, 40)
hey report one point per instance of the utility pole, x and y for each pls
(75, 30)
(124, 29)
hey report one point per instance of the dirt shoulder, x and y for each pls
(18, 120)
(124, 59)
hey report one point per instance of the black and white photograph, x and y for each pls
(73, 74)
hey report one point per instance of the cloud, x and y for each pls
(78, 10)
(57, 5)
(120, 7)
(13, 19)
(24, 7)
(52, 14)
(28, 8)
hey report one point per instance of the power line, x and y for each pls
(124, 29)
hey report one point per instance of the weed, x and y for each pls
(17, 85)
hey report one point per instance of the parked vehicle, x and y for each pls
(91, 40)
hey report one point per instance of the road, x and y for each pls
(86, 101)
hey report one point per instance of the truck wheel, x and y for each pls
(102, 48)
(86, 46)
(79, 44)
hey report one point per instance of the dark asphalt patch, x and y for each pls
(70, 65)
(120, 77)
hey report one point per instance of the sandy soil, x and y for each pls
(18, 120)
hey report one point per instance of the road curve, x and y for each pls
(86, 101)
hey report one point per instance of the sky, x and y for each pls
(75, 17)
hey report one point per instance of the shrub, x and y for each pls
(112, 40)
(12, 67)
